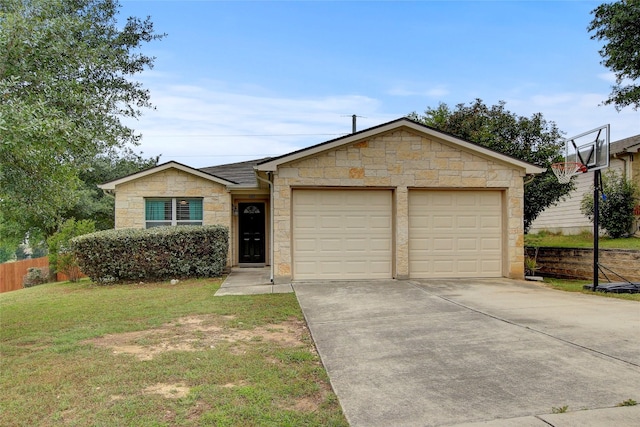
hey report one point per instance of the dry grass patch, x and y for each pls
(168, 391)
(195, 333)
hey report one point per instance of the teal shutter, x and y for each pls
(195, 210)
(155, 210)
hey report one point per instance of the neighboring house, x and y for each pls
(400, 200)
(566, 217)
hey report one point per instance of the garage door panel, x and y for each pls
(488, 244)
(328, 245)
(491, 225)
(467, 221)
(443, 244)
(440, 221)
(352, 231)
(381, 244)
(467, 266)
(356, 222)
(306, 245)
(455, 234)
(467, 244)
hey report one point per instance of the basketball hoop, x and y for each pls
(565, 170)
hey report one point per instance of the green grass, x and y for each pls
(584, 240)
(576, 286)
(57, 367)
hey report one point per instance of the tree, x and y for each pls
(61, 257)
(66, 71)
(616, 207)
(618, 24)
(532, 139)
(93, 203)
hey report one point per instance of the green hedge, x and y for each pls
(153, 254)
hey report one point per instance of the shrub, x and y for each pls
(157, 253)
(616, 206)
(35, 276)
(61, 257)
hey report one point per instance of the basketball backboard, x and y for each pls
(590, 148)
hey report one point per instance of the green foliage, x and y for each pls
(628, 402)
(532, 139)
(531, 266)
(616, 209)
(153, 254)
(7, 253)
(66, 69)
(61, 257)
(35, 276)
(93, 203)
(560, 409)
(618, 24)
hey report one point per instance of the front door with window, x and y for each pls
(251, 225)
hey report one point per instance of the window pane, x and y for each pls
(158, 210)
(151, 224)
(189, 210)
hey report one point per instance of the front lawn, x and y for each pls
(158, 355)
(584, 240)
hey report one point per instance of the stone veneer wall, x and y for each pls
(216, 203)
(577, 263)
(400, 160)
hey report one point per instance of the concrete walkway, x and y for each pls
(497, 353)
(251, 281)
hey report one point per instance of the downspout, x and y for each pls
(271, 232)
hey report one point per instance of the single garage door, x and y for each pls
(455, 234)
(342, 234)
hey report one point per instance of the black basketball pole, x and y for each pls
(596, 229)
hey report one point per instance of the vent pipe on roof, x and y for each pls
(353, 122)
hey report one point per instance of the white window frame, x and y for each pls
(173, 221)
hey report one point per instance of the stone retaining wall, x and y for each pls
(574, 263)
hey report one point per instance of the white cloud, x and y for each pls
(575, 113)
(608, 77)
(204, 125)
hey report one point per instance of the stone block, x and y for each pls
(361, 144)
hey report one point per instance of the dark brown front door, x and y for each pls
(251, 221)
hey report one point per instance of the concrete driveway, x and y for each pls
(482, 352)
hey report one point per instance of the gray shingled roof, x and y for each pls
(241, 172)
(623, 145)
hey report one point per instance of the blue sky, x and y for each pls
(240, 80)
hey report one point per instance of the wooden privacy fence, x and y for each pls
(12, 273)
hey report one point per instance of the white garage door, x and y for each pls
(342, 234)
(455, 234)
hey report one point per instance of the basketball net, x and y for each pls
(565, 170)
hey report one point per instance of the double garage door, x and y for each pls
(348, 234)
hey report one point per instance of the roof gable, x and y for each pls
(111, 185)
(272, 164)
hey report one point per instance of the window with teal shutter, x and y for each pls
(158, 210)
(174, 211)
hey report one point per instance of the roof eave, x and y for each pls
(111, 185)
(272, 166)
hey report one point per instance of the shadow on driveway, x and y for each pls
(457, 352)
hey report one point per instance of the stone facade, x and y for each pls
(130, 197)
(400, 160)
